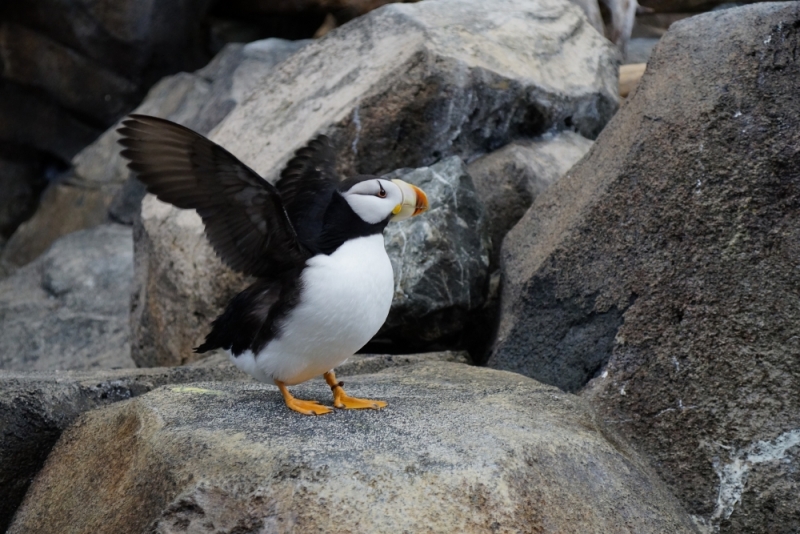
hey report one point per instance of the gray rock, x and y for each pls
(198, 101)
(440, 259)
(69, 69)
(404, 86)
(99, 187)
(64, 207)
(459, 449)
(21, 183)
(35, 407)
(94, 60)
(89, 89)
(69, 309)
(179, 287)
(665, 265)
(362, 364)
(409, 84)
(639, 50)
(591, 8)
(509, 179)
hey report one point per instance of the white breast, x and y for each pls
(344, 300)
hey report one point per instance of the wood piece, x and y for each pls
(629, 76)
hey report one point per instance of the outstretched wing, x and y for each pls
(306, 186)
(244, 215)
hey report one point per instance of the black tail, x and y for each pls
(242, 319)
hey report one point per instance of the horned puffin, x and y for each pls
(314, 243)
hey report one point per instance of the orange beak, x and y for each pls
(414, 202)
(422, 201)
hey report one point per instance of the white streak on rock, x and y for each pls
(733, 475)
(357, 123)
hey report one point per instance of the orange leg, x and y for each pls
(342, 400)
(302, 406)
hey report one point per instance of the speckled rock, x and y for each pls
(36, 406)
(180, 285)
(665, 266)
(440, 259)
(459, 449)
(69, 309)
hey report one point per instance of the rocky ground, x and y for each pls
(624, 273)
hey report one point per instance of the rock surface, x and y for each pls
(35, 407)
(69, 309)
(21, 183)
(440, 259)
(409, 84)
(665, 265)
(404, 86)
(225, 457)
(509, 179)
(99, 183)
(180, 285)
(69, 69)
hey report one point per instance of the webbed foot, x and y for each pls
(304, 407)
(344, 401)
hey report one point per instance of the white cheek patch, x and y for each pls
(365, 202)
(371, 209)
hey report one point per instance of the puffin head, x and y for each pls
(376, 199)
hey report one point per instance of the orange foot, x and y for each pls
(301, 406)
(343, 400)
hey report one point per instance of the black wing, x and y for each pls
(244, 217)
(306, 186)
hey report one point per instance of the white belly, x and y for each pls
(344, 300)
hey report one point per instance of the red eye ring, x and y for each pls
(382, 192)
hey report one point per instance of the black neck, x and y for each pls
(341, 224)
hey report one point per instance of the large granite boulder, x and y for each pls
(440, 260)
(180, 285)
(409, 84)
(404, 86)
(665, 266)
(36, 406)
(69, 309)
(458, 449)
(509, 179)
(98, 186)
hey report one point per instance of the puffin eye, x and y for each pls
(382, 192)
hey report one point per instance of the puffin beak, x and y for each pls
(414, 202)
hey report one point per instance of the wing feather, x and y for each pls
(306, 186)
(244, 216)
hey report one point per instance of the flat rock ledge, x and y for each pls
(458, 449)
